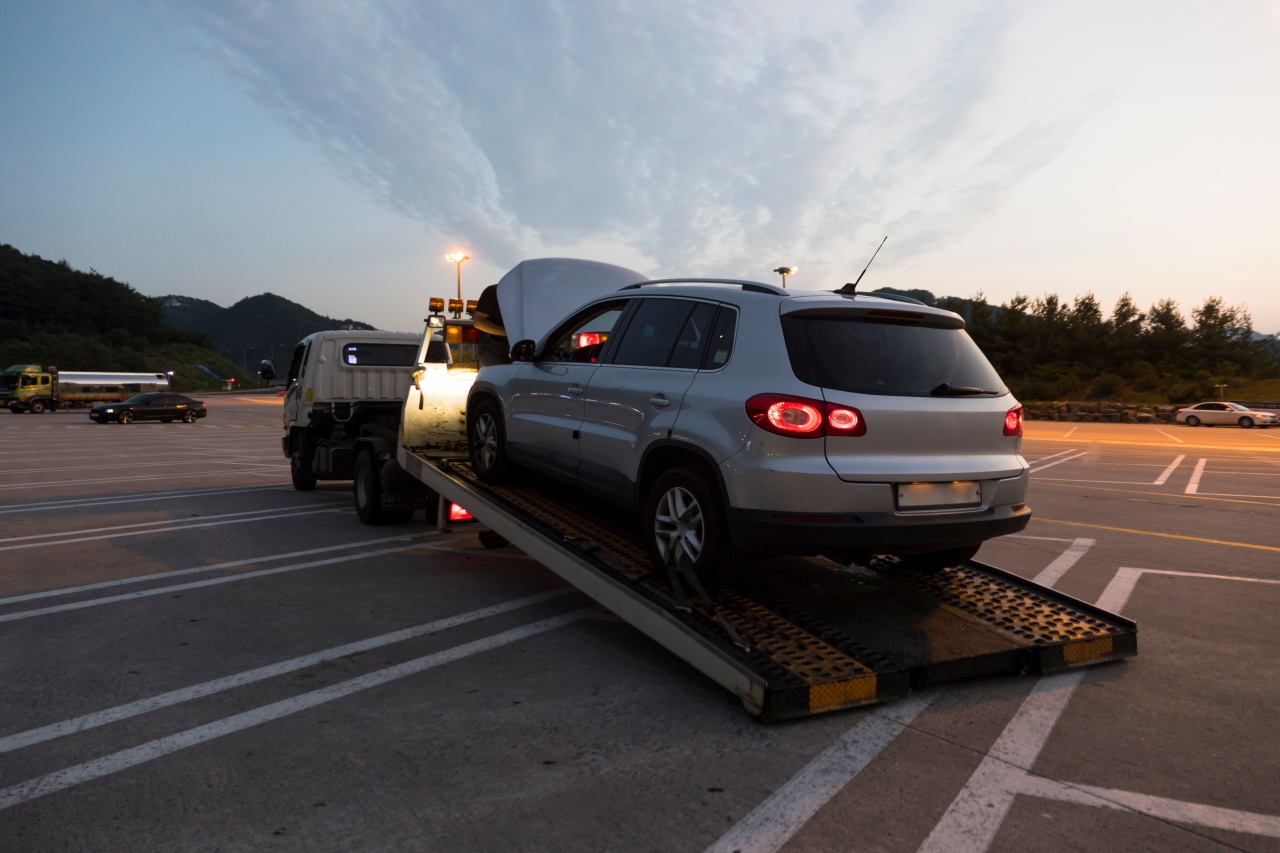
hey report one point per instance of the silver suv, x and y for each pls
(740, 418)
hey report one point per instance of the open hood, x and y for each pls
(538, 293)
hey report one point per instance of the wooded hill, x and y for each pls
(51, 314)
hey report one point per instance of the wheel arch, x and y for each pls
(662, 456)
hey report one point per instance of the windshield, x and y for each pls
(8, 382)
(875, 357)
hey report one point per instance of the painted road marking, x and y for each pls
(1059, 567)
(170, 529)
(1164, 477)
(217, 685)
(1166, 435)
(71, 503)
(1194, 483)
(127, 758)
(977, 812)
(1159, 481)
(139, 524)
(1049, 481)
(772, 824)
(1059, 462)
(45, 484)
(1067, 434)
(1161, 535)
(213, 582)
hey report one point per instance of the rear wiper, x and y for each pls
(946, 389)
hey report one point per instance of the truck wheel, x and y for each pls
(367, 493)
(301, 481)
(126, 417)
(683, 521)
(487, 443)
(37, 407)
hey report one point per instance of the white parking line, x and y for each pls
(217, 685)
(136, 525)
(147, 593)
(1174, 437)
(1059, 462)
(1164, 477)
(976, 814)
(1053, 455)
(171, 529)
(124, 759)
(772, 823)
(1067, 434)
(149, 496)
(233, 564)
(1059, 567)
(1194, 483)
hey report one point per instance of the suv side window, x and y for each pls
(693, 337)
(722, 335)
(584, 336)
(653, 332)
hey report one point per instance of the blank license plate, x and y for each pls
(929, 495)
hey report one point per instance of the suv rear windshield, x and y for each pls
(876, 357)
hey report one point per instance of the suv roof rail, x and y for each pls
(752, 286)
(896, 297)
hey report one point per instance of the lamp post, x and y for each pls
(456, 258)
(784, 272)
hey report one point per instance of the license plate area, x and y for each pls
(954, 495)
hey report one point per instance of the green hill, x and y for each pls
(257, 327)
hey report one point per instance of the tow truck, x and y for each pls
(791, 636)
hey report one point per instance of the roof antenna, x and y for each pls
(850, 288)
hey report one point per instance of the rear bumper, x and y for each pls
(760, 531)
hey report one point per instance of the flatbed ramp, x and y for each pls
(811, 636)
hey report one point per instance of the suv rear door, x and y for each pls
(933, 406)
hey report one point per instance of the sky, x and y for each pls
(333, 152)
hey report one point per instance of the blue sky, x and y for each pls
(333, 152)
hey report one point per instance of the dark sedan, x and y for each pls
(153, 406)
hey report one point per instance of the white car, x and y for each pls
(1234, 414)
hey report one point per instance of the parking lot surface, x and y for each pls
(197, 657)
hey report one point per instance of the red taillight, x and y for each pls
(1013, 421)
(457, 513)
(799, 417)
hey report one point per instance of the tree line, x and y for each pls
(1048, 349)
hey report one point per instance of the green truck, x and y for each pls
(37, 389)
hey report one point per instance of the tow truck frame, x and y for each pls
(793, 636)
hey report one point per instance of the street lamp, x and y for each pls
(784, 272)
(456, 258)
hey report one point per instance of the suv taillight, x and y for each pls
(799, 417)
(1013, 421)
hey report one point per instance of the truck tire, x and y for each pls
(37, 407)
(487, 443)
(301, 480)
(367, 493)
(684, 520)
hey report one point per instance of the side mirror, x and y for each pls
(266, 370)
(523, 351)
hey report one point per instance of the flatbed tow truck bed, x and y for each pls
(807, 635)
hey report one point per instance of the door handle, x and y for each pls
(575, 390)
(660, 401)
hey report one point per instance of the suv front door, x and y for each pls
(546, 395)
(635, 397)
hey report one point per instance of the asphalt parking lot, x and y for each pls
(197, 657)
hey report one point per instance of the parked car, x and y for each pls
(153, 406)
(1235, 414)
(741, 418)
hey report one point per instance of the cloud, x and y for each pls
(709, 137)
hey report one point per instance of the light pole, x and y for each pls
(784, 272)
(456, 258)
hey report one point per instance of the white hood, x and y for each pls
(538, 293)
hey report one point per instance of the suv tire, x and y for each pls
(487, 443)
(683, 519)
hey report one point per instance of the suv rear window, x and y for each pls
(876, 357)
